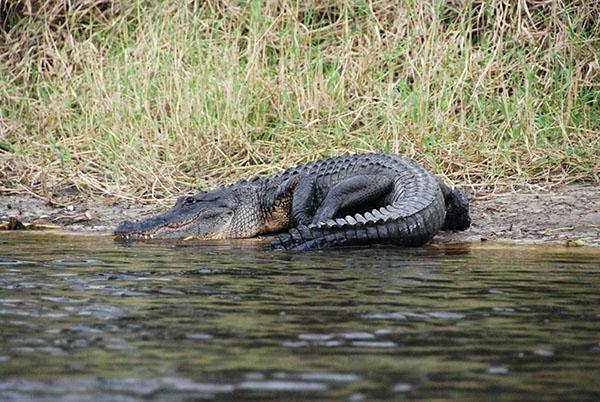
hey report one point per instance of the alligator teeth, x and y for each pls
(136, 236)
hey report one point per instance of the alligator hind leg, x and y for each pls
(352, 193)
(457, 208)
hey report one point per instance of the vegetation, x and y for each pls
(153, 98)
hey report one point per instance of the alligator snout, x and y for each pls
(124, 227)
(128, 230)
(139, 230)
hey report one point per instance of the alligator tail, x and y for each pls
(387, 225)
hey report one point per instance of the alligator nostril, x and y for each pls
(124, 227)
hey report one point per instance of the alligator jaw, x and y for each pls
(159, 228)
(133, 236)
(130, 231)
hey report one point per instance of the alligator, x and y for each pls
(351, 200)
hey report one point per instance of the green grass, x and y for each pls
(149, 99)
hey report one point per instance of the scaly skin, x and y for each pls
(342, 201)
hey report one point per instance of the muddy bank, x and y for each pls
(568, 214)
(564, 214)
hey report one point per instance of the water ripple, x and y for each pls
(156, 322)
(13, 261)
(274, 385)
(68, 262)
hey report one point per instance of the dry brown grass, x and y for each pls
(142, 100)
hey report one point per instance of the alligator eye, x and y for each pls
(189, 200)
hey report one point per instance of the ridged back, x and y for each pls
(413, 214)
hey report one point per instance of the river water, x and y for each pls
(86, 319)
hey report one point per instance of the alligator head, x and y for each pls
(231, 212)
(209, 215)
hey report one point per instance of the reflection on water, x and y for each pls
(87, 319)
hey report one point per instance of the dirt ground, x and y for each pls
(567, 214)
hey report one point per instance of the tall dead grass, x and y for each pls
(138, 99)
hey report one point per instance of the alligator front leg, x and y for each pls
(354, 192)
(304, 200)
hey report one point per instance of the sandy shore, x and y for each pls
(567, 214)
